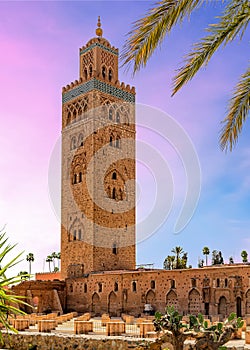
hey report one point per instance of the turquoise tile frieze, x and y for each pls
(102, 86)
(99, 45)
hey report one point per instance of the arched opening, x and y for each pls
(74, 235)
(90, 71)
(112, 304)
(116, 287)
(194, 302)
(113, 193)
(96, 305)
(79, 234)
(226, 282)
(80, 176)
(217, 282)
(114, 177)
(104, 72)
(74, 115)
(79, 113)
(222, 307)
(238, 307)
(118, 143)
(133, 286)
(75, 179)
(85, 74)
(152, 284)
(73, 143)
(117, 117)
(111, 141)
(171, 299)
(80, 140)
(68, 118)
(150, 297)
(110, 74)
(114, 249)
(85, 288)
(110, 114)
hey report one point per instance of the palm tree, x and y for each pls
(177, 251)
(244, 255)
(9, 301)
(49, 259)
(206, 252)
(30, 258)
(54, 256)
(172, 260)
(149, 31)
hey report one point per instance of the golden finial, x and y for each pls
(99, 29)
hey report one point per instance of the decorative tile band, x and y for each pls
(101, 46)
(102, 86)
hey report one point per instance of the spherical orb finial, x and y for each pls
(99, 29)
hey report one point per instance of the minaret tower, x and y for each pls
(98, 165)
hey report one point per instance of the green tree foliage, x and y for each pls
(24, 275)
(206, 252)
(178, 261)
(148, 33)
(8, 301)
(49, 259)
(176, 332)
(244, 256)
(217, 258)
(30, 258)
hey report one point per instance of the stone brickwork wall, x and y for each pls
(209, 290)
(22, 341)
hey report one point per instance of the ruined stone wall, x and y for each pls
(213, 291)
(22, 341)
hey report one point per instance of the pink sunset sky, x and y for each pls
(39, 55)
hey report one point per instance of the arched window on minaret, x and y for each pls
(74, 235)
(111, 141)
(73, 143)
(80, 140)
(103, 72)
(80, 176)
(79, 113)
(85, 73)
(114, 177)
(75, 179)
(110, 74)
(114, 249)
(79, 234)
(110, 113)
(68, 118)
(114, 193)
(118, 142)
(117, 117)
(90, 71)
(74, 115)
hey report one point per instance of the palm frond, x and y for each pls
(238, 111)
(233, 22)
(149, 31)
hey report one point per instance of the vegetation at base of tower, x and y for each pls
(148, 33)
(171, 329)
(244, 256)
(176, 262)
(200, 263)
(51, 258)
(30, 258)
(217, 258)
(9, 302)
(206, 252)
(231, 260)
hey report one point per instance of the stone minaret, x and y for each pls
(98, 165)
